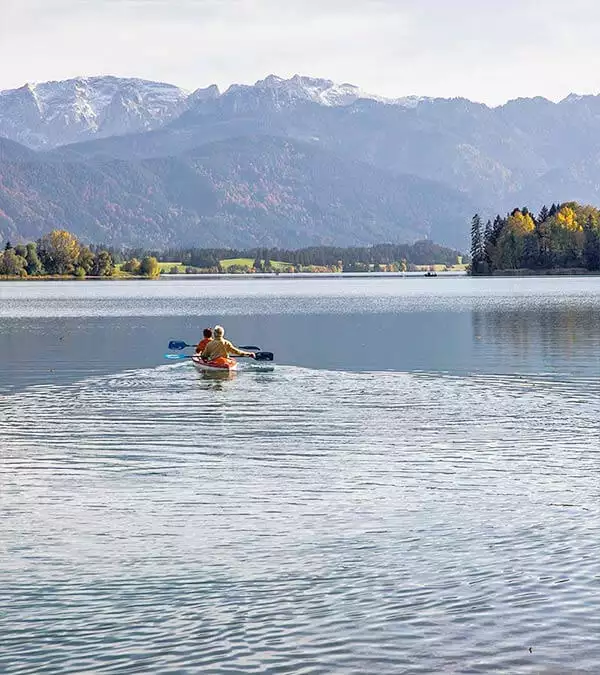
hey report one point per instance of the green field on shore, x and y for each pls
(166, 267)
(249, 262)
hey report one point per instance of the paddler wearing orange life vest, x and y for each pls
(219, 348)
(207, 337)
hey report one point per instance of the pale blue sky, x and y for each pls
(486, 50)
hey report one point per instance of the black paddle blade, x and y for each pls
(250, 348)
(264, 356)
(175, 344)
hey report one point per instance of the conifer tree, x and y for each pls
(591, 246)
(497, 227)
(476, 245)
(487, 246)
(531, 252)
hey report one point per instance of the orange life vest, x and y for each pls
(202, 345)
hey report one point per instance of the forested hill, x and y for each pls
(243, 192)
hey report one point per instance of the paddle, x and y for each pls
(259, 356)
(177, 345)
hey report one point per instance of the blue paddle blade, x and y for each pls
(264, 356)
(177, 357)
(174, 344)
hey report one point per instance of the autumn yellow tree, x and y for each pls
(149, 267)
(132, 266)
(59, 252)
(521, 223)
(567, 218)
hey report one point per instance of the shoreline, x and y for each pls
(522, 273)
(67, 277)
(556, 272)
(241, 277)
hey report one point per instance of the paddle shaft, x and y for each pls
(177, 345)
(259, 356)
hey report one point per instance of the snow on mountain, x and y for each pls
(281, 92)
(324, 92)
(207, 94)
(411, 101)
(55, 113)
(321, 91)
(51, 114)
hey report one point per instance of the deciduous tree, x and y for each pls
(12, 264)
(34, 264)
(132, 266)
(85, 260)
(103, 264)
(150, 267)
(59, 251)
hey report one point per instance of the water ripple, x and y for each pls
(300, 522)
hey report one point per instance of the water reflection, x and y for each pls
(215, 379)
(547, 340)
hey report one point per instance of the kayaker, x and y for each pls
(207, 333)
(220, 348)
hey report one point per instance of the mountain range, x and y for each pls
(281, 162)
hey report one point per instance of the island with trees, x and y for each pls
(562, 239)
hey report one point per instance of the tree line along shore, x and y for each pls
(562, 239)
(59, 254)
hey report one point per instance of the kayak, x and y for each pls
(220, 365)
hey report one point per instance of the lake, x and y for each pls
(413, 489)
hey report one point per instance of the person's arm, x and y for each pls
(231, 349)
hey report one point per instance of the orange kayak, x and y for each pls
(219, 365)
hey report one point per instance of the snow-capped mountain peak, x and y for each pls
(55, 113)
(206, 94)
(48, 114)
(303, 88)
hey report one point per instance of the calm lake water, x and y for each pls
(413, 489)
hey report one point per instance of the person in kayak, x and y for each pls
(220, 348)
(207, 333)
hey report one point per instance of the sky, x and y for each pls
(486, 50)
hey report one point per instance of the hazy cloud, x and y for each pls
(488, 50)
